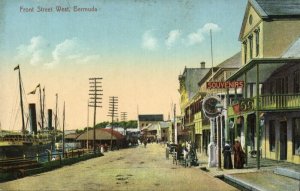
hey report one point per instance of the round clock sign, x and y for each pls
(209, 106)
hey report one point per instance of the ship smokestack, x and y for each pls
(50, 119)
(202, 65)
(32, 117)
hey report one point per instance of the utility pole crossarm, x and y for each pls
(95, 78)
(95, 106)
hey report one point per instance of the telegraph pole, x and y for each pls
(95, 101)
(123, 119)
(123, 116)
(113, 109)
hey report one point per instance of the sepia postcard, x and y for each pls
(149, 95)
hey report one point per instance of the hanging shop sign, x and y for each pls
(224, 85)
(244, 105)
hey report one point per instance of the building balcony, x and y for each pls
(280, 102)
(275, 102)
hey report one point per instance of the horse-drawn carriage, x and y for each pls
(183, 157)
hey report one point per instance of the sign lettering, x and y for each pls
(223, 85)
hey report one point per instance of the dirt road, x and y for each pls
(128, 169)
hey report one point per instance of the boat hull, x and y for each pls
(25, 150)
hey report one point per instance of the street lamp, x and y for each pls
(220, 108)
(211, 112)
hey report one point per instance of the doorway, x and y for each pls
(283, 140)
(251, 131)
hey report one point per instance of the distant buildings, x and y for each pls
(103, 136)
(145, 120)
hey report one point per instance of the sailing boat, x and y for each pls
(14, 145)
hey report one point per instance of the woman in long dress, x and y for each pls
(238, 155)
(227, 156)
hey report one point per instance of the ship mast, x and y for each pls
(21, 99)
(63, 136)
(55, 125)
(41, 107)
(43, 110)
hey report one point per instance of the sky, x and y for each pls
(138, 47)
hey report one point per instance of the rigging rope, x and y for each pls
(14, 108)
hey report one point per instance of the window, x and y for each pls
(272, 135)
(250, 19)
(296, 136)
(257, 42)
(245, 51)
(250, 46)
(250, 90)
(297, 81)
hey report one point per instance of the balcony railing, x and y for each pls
(276, 102)
(280, 102)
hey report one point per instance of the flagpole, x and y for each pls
(212, 60)
(55, 129)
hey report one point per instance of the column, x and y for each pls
(212, 146)
(246, 136)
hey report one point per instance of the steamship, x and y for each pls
(27, 144)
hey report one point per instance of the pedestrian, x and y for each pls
(145, 143)
(102, 148)
(227, 156)
(238, 155)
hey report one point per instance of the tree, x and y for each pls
(102, 124)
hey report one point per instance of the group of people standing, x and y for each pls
(239, 155)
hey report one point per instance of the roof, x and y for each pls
(70, 131)
(293, 51)
(191, 78)
(71, 136)
(101, 134)
(276, 8)
(233, 62)
(153, 127)
(272, 9)
(116, 134)
(132, 130)
(165, 124)
(155, 117)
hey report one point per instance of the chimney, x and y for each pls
(202, 64)
(32, 117)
